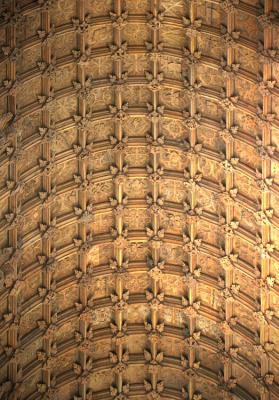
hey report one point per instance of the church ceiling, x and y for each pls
(139, 199)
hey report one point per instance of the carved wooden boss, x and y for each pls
(139, 199)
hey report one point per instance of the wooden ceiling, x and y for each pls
(139, 199)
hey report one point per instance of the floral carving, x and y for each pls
(192, 182)
(228, 70)
(81, 26)
(189, 371)
(119, 21)
(155, 82)
(46, 37)
(265, 86)
(226, 386)
(191, 121)
(191, 277)
(49, 263)
(190, 309)
(84, 216)
(228, 103)
(120, 304)
(83, 91)
(119, 336)
(267, 56)
(266, 152)
(154, 22)
(82, 123)
(154, 394)
(83, 372)
(48, 70)
(46, 4)
(264, 249)
(82, 57)
(267, 20)
(120, 396)
(155, 271)
(118, 52)
(191, 58)
(84, 246)
(229, 38)
(13, 54)
(229, 5)
(191, 90)
(119, 114)
(192, 28)
(155, 301)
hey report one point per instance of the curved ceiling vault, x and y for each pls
(139, 199)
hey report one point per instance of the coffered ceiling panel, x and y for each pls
(139, 199)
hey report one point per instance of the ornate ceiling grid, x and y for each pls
(139, 199)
